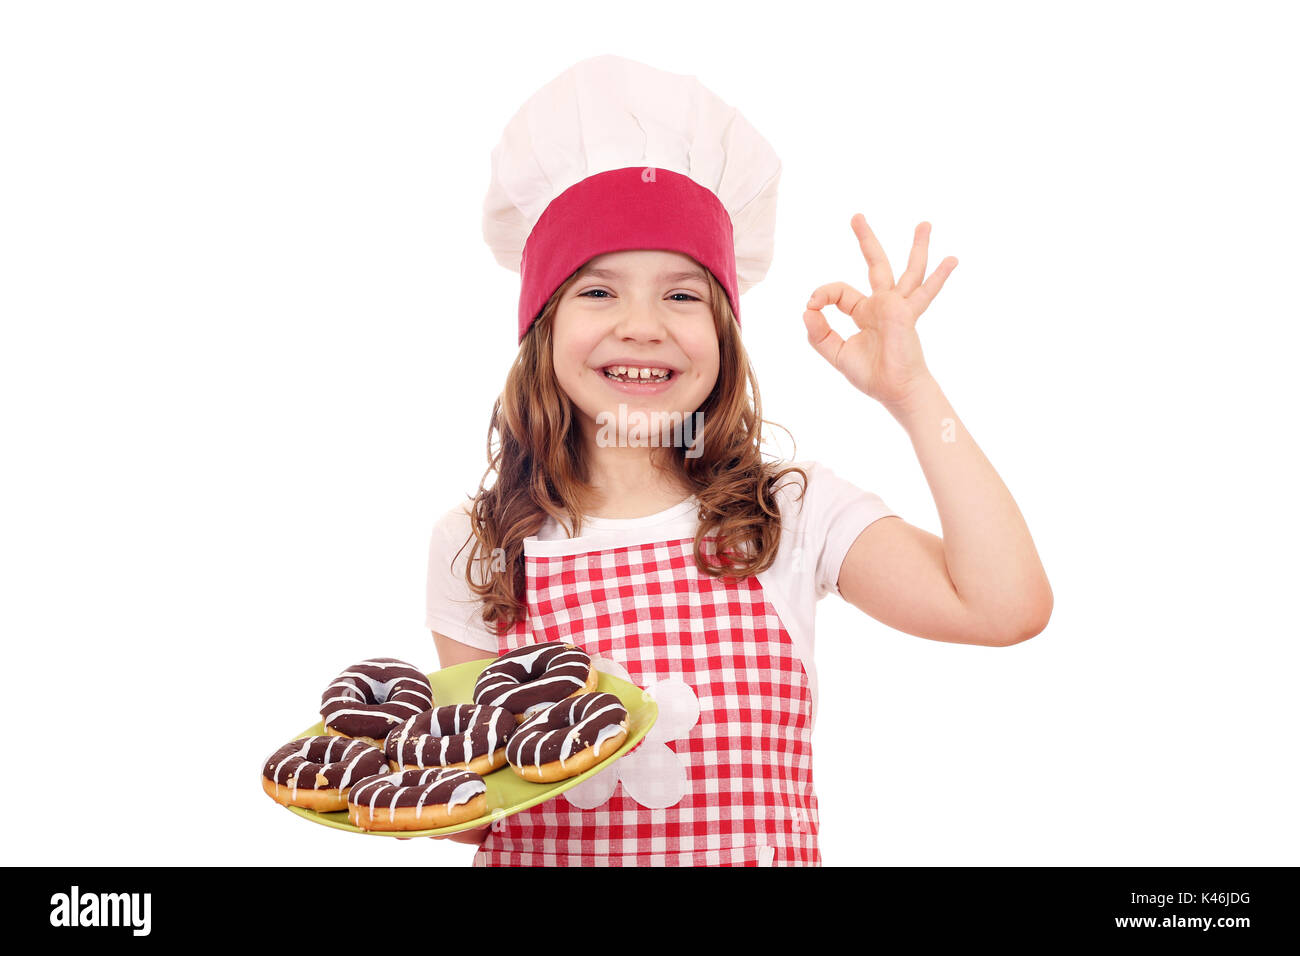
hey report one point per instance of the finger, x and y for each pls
(925, 295)
(822, 337)
(910, 279)
(844, 297)
(879, 275)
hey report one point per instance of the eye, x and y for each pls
(689, 297)
(590, 292)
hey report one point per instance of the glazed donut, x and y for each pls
(567, 738)
(368, 698)
(417, 799)
(317, 772)
(531, 677)
(458, 735)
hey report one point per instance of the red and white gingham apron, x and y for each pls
(748, 759)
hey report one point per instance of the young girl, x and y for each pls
(637, 206)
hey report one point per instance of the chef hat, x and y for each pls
(612, 155)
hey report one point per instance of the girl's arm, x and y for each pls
(452, 652)
(982, 582)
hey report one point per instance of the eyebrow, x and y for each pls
(668, 276)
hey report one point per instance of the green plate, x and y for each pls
(507, 792)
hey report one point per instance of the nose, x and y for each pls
(640, 322)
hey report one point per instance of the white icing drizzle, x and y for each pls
(492, 681)
(419, 804)
(466, 792)
(524, 656)
(427, 780)
(359, 694)
(538, 736)
(347, 772)
(292, 766)
(334, 715)
(293, 794)
(606, 732)
(576, 733)
(378, 790)
(502, 698)
(430, 740)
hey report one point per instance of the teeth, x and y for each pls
(633, 373)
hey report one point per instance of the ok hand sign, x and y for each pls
(884, 358)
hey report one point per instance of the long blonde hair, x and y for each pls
(537, 451)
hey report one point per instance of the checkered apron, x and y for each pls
(748, 759)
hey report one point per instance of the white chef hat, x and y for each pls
(612, 155)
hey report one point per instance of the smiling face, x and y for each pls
(644, 309)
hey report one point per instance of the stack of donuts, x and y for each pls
(395, 760)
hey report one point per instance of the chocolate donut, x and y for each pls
(457, 735)
(567, 738)
(317, 772)
(531, 677)
(417, 799)
(368, 698)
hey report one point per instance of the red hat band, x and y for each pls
(637, 207)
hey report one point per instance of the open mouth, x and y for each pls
(632, 375)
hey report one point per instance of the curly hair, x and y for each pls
(537, 452)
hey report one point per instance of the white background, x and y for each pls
(252, 336)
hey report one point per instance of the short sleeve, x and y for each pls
(451, 608)
(835, 513)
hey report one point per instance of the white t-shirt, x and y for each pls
(816, 534)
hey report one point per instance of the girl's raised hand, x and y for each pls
(883, 359)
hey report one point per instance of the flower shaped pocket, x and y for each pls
(652, 775)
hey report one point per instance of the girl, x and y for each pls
(691, 566)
